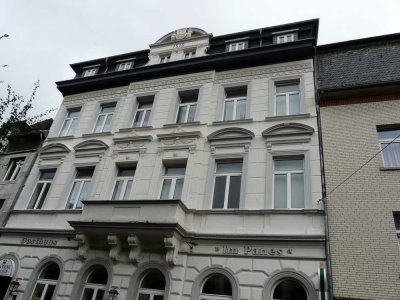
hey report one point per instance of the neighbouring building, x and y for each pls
(190, 170)
(359, 98)
(15, 164)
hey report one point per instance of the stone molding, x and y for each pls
(288, 133)
(230, 133)
(98, 95)
(115, 246)
(134, 244)
(56, 148)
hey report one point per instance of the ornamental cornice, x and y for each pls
(246, 74)
(169, 82)
(98, 95)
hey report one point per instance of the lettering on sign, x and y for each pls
(252, 251)
(179, 45)
(39, 241)
(6, 267)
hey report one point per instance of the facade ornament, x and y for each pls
(134, 243)
(115, 242)
(83, 245)
(172, 245)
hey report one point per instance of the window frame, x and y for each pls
(387, 141)
(122, 66)
(38, 181)
(173, 179)
(235, 101)
(188, 54)
(74, 119)
(285, 38)
(125, 180)
(82, 183)
(150, 292)
(46, 282)
(236, 45)
(145, 110)
(105, 105)
(188, 105)
(287, 98)
(18, 162)
(90, 72)
(95, 286)
(165, 58)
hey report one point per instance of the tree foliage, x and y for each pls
(14, 111)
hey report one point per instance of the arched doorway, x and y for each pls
(7, 267)
(289, 289)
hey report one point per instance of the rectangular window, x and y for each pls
(125, 66)
(396, 217)
(165, 58)
(289, 183)
(173, 182)
(123, 183)
(235, 103)
(190, 54)
(41, 189)
(390, 145)
(2, 203)
(227, 183)
(13, 169)
(187, 106)
(104, 119)
(237, 46)
(80, 188)
(285, 38)
(89, 72)
(287, 98)
(70, 122)
(143, 111)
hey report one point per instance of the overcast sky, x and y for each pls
(48, 35)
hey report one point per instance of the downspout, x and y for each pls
(22, 185)
(260, 37)
(322, 167)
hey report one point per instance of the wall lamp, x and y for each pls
(113, 294)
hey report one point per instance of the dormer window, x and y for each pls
(286, 38)
(190, 54)
(237, 46)
(125, 66)
(90, 72)
(165, 58)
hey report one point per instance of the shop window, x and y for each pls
(289, 289)
(152, 287)
(216, 287)
(46, 283)
(95, 285)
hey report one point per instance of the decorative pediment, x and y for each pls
(56, 149)
(287, 133)
(178, 140)
(232, 133)
(90, 148)
(135, 143)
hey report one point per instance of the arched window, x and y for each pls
(46, 282)
(289, 289)
(95, 285)
(216, 287)
(152, 286)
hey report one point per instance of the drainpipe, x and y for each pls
(22, 185)
(322, 166)
(260, 37)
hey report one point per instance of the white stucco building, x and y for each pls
(187, 171)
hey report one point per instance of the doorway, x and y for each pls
(4, 284)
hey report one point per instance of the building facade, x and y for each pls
(187, 171)
(359, 98)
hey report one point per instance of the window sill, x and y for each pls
(46, 211)
(389, 169)
(96, 134)
(232, 121)
(288, 117)
(4, 182)
(135, 129)
(173, 125)
(59, 138)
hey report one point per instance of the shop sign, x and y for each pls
(38, 242)
(252, 250)
(6, 267)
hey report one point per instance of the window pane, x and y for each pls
(294, 104)
(178, 188)
(117, 190)
(289, 87)
(84, 193)
(74, 194)
(146, 117)
(289, 289)
(126, 172)
(37, 294)
(98, 276)
(128, 190)
(107, 109)
(175, 171)
(289, 164)
(107, 125)
(73, 114)
(181, 114)
(138, 118)
(234, 192)
(192, 112)
(35, 195)
(100, 295)
(47, 174)
(165, 189)
(88, 294)
(280, 191)
(49, 292)
(145, 104)
(281, 105)
(241, 110)
(388, 134)
(82, 173)
(397, 221)
(43, 197)
(297, 181)
(72, 127)
(64, 130)
(154, 280)
(52, 271)
(158, 297)
(219, 192)
(99, 123)
(236, 91)
(144, 297)
(228, 114)
(391, 154)
(217, 285)
(231, 167)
